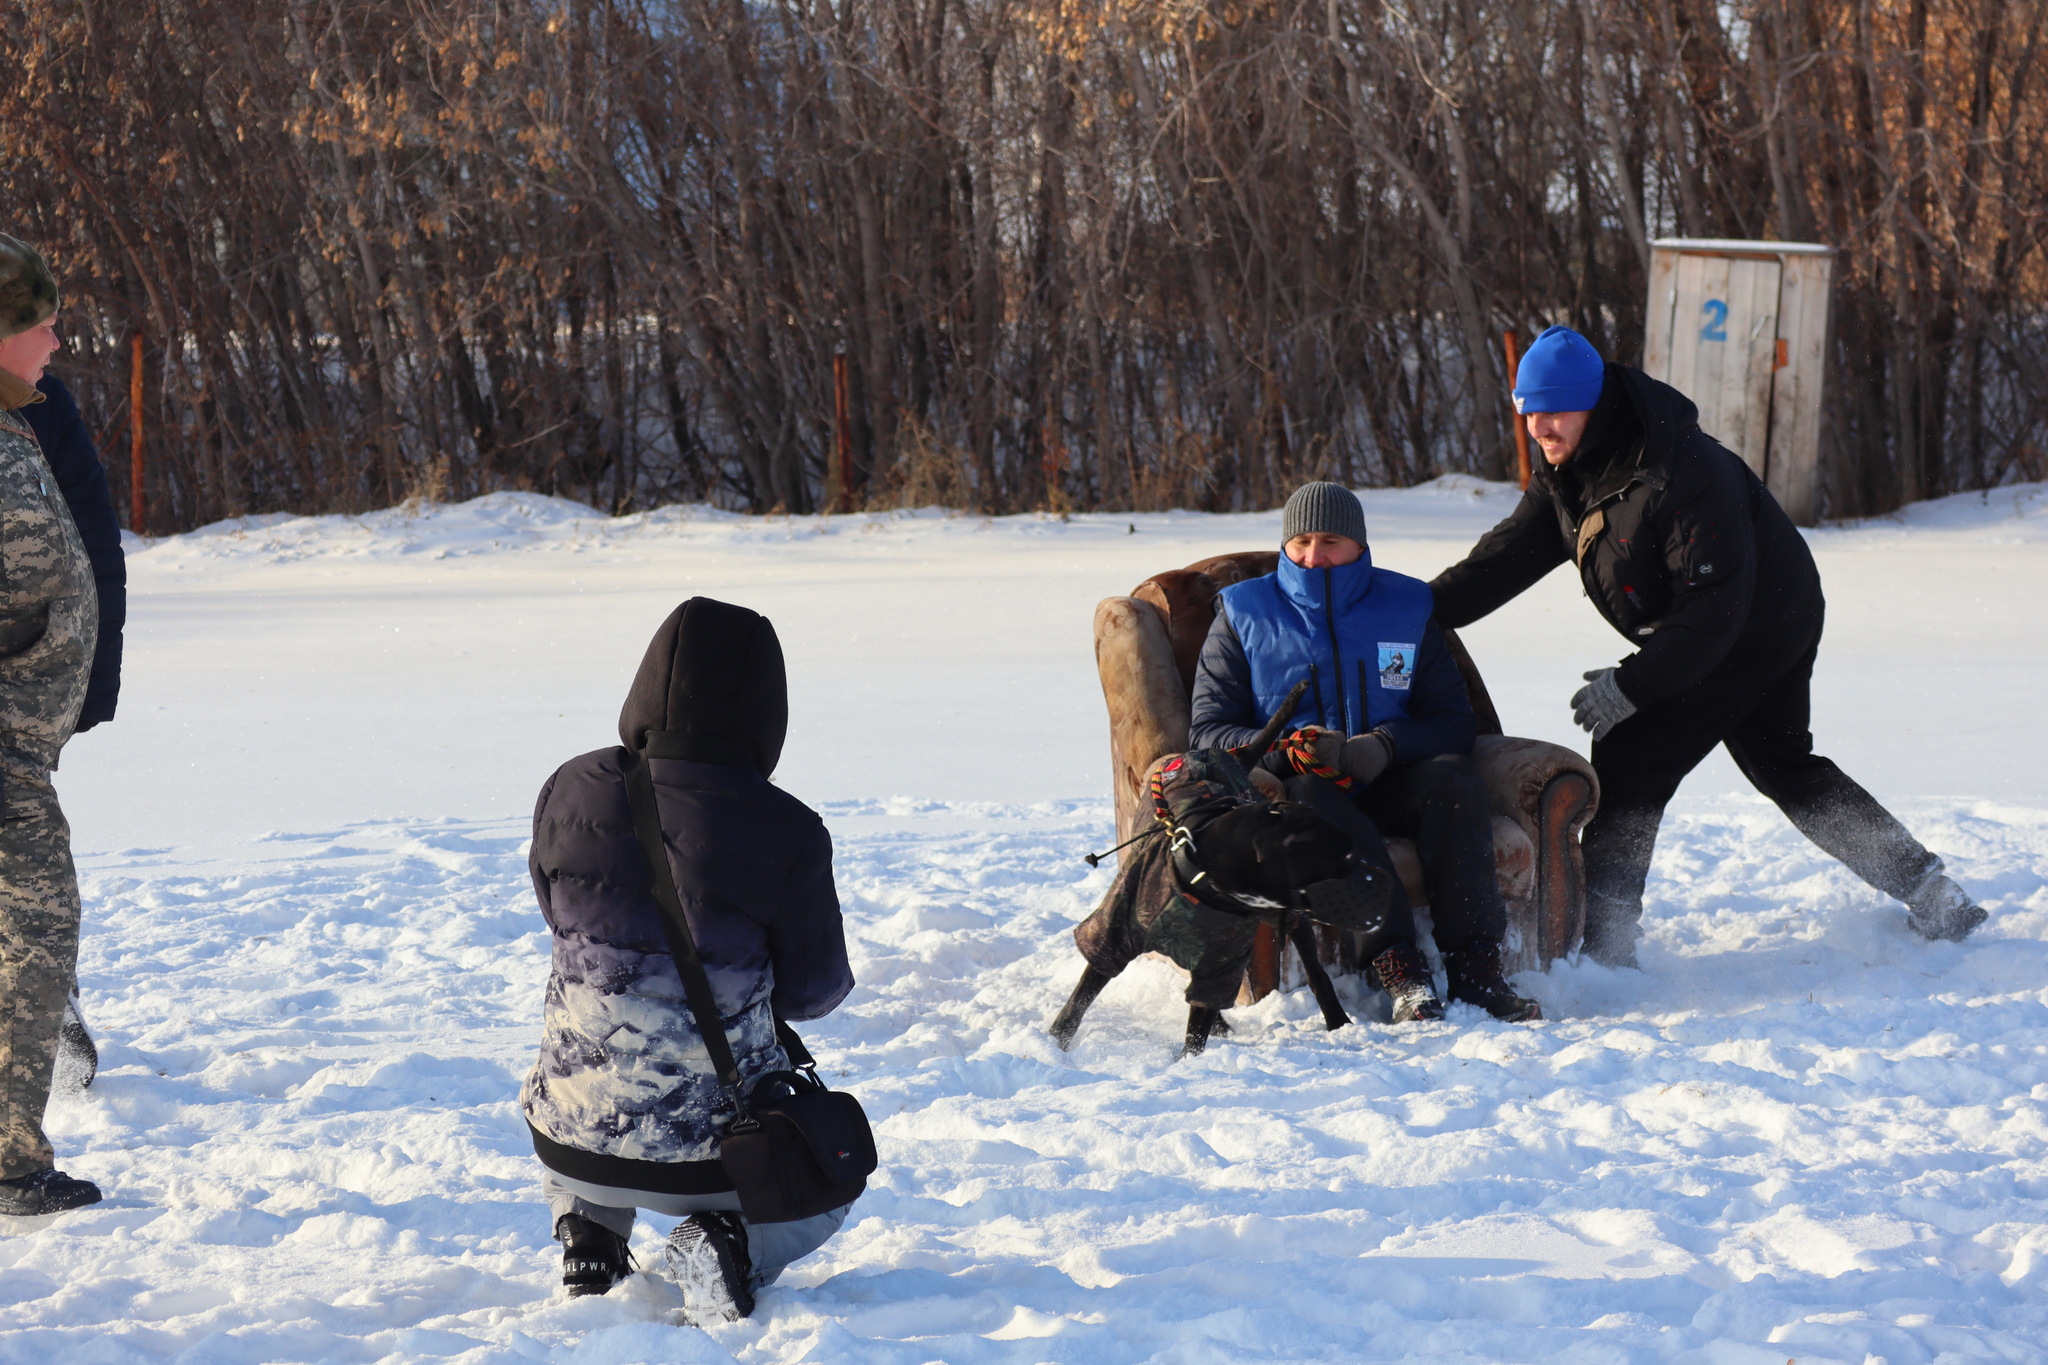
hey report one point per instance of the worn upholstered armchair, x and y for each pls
(1543, 794)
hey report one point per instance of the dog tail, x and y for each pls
(1262, 742)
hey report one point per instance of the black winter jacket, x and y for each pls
(624, 1093)
(68, 446)
(1678, 544)
(1439, 720)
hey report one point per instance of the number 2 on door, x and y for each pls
(1717, 319)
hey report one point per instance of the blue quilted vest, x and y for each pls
(1352, 631)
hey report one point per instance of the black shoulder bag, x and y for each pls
(796, 1148)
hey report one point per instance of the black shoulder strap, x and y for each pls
(682, 945)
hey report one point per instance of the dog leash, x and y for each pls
(1095, 859)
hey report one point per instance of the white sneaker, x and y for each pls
(1942, 910)
(707, 1258)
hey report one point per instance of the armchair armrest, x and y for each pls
(1148, 708)
(1517, 772)
(1550, 792)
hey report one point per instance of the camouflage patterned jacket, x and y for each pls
(49, 608)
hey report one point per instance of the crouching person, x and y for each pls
(626, 1104)
(1380, 740)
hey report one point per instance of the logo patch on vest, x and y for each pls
(1397, 666)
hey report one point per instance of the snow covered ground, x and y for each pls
(313, 960)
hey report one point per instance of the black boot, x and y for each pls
(1404, 976)
(594, 1258)
(31, 1196)
(708, 1259)
(1474, 972)
(1612, 928)
(1941, 910)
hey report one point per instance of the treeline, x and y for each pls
(994, 253)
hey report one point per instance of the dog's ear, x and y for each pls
(1276, 838)
(1315, 847)
(1232, 840)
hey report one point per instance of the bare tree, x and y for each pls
(1132, 253)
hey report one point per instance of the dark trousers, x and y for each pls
(1757, 702)
(1441, 804)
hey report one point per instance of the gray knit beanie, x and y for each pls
(1328, 507)
(28, 292)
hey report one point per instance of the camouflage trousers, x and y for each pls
(39, 916)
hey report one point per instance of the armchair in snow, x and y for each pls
(1146, 645)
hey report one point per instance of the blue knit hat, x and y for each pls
(1561, 373)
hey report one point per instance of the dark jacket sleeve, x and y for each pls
(1709, 545)
(807, 941)
(541, 885)
(1440, 718)
(1224, 712)
(1508, 560)
(68, 446)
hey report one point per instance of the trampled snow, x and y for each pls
(315, 967)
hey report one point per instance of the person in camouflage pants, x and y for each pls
(49, 626)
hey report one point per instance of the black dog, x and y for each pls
(1220, 861)
(1264, 854)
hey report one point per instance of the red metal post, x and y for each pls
(842, 423)
(1521, 431)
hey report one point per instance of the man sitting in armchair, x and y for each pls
(1380, 740)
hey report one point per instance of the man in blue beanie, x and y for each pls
(1686, 554)
(1379, 743)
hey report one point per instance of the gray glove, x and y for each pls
(1364, 758)
(1601, 704)
(1329, 749)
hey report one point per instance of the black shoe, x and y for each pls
(1474, 972)
(30, 1196)
(1942, 911)
(707, 1258)
(594, 1258)
(1404, 976)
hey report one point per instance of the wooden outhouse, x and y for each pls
(1741, 328)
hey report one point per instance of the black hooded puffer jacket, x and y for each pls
(624, 1093)
(1678, 544)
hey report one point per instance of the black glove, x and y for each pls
(1601, 705)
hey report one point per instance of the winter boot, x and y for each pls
(707, 1258)
(1941, 910)
(1474, 972)
(29, 1196)
(594, 1258)
(1612, 928)
(1404, 976)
